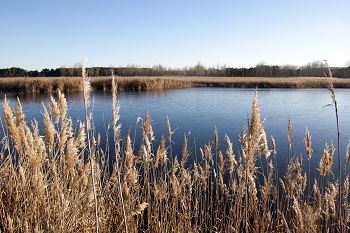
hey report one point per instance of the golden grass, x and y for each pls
(61, 181)
(40, 85)
(262, 82)
(73, 84)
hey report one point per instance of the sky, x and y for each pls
(174, 33)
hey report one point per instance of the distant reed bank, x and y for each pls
(138, 83)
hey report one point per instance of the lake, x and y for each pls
(197, 111)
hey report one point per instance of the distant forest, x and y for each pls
(312, 69)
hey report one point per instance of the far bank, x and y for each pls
(142, 83)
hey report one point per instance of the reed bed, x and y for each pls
(74, 84)
(262, 82)
(60, 179)
(40, 85)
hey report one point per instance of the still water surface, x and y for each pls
(197, 111)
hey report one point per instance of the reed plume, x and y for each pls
(290, 137)
(326, 162)
(309, 151)
(49, 130)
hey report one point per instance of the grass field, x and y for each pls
(73, 84)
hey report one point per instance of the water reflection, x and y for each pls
(196, 112)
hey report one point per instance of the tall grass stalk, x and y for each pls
(334, 100)
(309, 151)
(86, 89)
(116, 140)
(290, 138)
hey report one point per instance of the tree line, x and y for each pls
(312, 69)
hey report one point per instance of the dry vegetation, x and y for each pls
(62, 181)
(74, 84)
(137, 83)
(263, 82)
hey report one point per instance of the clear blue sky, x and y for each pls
(50, 34)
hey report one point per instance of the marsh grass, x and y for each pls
(266, 82)
(59, 180)
(74, 84)
(40, 85)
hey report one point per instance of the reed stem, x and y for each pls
(86, 86)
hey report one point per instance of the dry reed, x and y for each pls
(74, 84)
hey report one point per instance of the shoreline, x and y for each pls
(138, 83)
